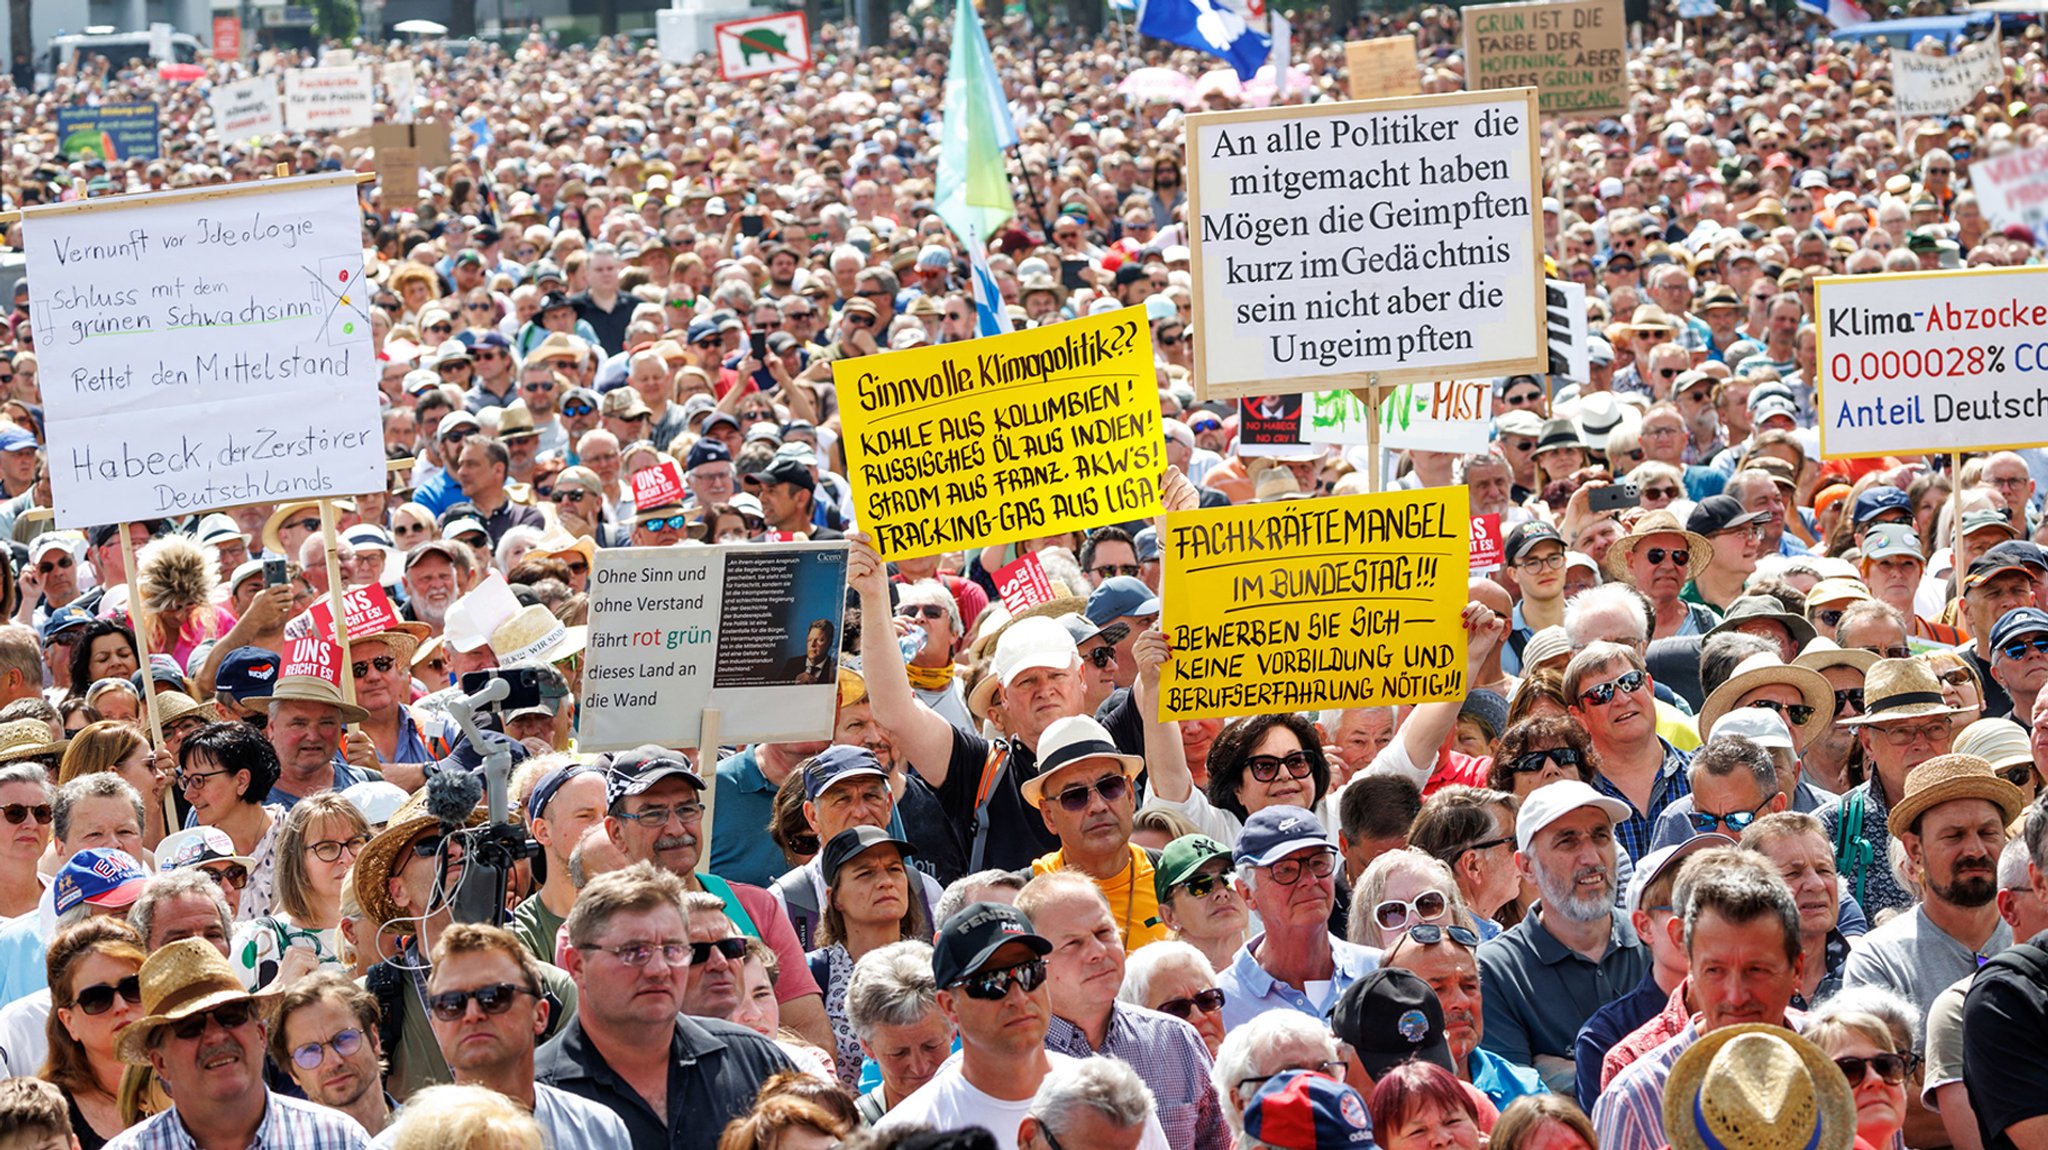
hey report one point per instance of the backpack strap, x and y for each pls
(2024, 958)
(1853, 854)
(991, 770)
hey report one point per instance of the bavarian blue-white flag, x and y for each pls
(1210, 26)
(990, 316)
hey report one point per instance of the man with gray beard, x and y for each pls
(1574, 951)
(434, 573)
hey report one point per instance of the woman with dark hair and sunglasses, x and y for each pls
(225, 772)
(1538, 751)
(318, 844)
(1264, 761)
(94, 995)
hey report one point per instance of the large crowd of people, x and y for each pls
(1734, 838)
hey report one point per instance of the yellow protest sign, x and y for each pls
(1382, 67)
(1309, 603)
(1009, 437)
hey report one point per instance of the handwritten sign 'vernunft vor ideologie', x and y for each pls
(204, 351)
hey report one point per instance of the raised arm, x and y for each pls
(918, 732)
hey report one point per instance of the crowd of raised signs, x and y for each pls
(1732, 843)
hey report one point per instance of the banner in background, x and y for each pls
(246, 109)
(331, 99)
(1450, 415)
(1925, 85)
(763, 45)
(109, 132)
(1573, 52)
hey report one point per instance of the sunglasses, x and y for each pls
(344, 1044)
(383, 663)
(1164, 340)
(305, 524)
(442, 328)
(1209, 1001)
(1266, 768)
(232, 1016)
(1109, 570)
(63, 564)
(1103, 658)
(921, 611)
(577, 410)
(1395, 913)
(730, 949)
(331, 850)
(451, 1005)
(2019, 774)
(1796, 714)
(1429, 934)
(1529, 761)
(667, 523)
(16, 813)
(1850, 698)
(1890, 1067)
(994, 985)
(2018, 648)
(710, 341)
(1830, 617)
(1679, 557)
(99, 998)
(538, 385)
(1890, 652)
(1203, 885)
(233, 875)
(1075, 799)
(1603, 694)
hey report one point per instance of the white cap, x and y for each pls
(68, 542)
(217, 528)
(1760, 725)
(1034, 642)
(455, 419)
(1552, 801)
(377, 799)
(1610, 188)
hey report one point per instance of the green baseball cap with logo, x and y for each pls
(1181, 859)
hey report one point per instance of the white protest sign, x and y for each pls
(333, 99)
(1940, 85)
(246, 109)
(205, 352)
(1448, 415)
(1932, 361)
(2012, 188)
(763, 45)
(752, 629)
(401, 90)
(1336, 417)
(1378, 241)
(1571, 357)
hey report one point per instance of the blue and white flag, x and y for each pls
(1210, 26)
(990, 316)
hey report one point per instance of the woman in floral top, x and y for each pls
(315, 849)
(868, 905)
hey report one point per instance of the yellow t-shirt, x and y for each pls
(1130, 894)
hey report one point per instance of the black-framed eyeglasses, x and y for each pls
(1209, 1001)
(1429, 934)
(99, 999)
(344, 1043)
(188, 780)
(1266, 768)
(1529, 761)
(1075, 799)
(1542, 562)
(1326, 1069)
(1795, 713)
(331, 850)
(1628, 683)
(994, 985)
(1738, 821)
(731, 949)
(1288, 871)
(1889, 1067)
(451, 1005)
(1110, 570)
(1103, 657)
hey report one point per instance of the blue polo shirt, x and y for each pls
(1541, 992)
(1249, 991)
(1500, 1080)
(741, 848)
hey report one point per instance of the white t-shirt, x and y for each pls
(948, 1102)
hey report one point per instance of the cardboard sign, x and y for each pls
(1573, 52)
(246, 109)
(1373, 242)
(1925, 85)
(763, 45)
(205, 353)
(402, 150)
(1452, 415)
(753, 630)
(1024, 583)
(1003, 438)
(1382, 67)
(109, 132)
(1307, 603)
(659, 486)
(1487, 545)
(1932, 361)
(2012, 188)
(312, 657)
(329, 99)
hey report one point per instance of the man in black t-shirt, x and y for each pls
(2005, 1027)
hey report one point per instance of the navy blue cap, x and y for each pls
(64, 619)
(701, 329)
(714, 418)
(492, 338)
(706, 451)
(854, 842)
(2016, 622)
(544, 791)
(1875, 501)
(1719, 513)
(974, 934)
(1302, 1110)
(1527, 535)
(1276, 832)
(246, 672)
(1146, 544)
(633, 772)
(2024, 552)
(836, 762)
(1119, 597)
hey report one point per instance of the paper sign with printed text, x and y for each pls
(1932, 361)
(110, 132)
(1308, 603)
(751, 629)
(1451, 415)
(1486, 542)
(368, 610)
(1573, 52)
(199, 354)
(246, 109)
(331, 99)
(1024, 583)
(1382, 67)
(659, 486)
(1003, 438)
(1375, 242)
(312, 657)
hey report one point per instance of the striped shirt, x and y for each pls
(288, 1124)
(1172, 1059)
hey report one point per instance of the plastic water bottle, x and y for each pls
(912, 642)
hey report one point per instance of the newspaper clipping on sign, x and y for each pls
(1367, 243)
(1924, 85)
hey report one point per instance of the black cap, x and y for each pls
(791, 472)
(853, 842)
(1130, 274)
(633, 772)
(1527, 535)
(1719, 513)
(1389, 1017)
(553, 300)
(2024, 552)
(975, 933)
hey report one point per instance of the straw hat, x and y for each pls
(1900, 689)
(1823, 652)
(1659, 522)
(373, 868)
(559, 542)
(1763, 670)
(533, 632)
(180, 979)
(295, 508)
(311, 688)
(1946, 778)
(1757, 1087)
(1075, 739)
(172, 706)
(28, 739)
(404, 639)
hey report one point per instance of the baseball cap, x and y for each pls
(2016, 622)
(791, 472)
(1275, 832)
(633, 772)
(379, 801)
(1119, 597)
(64, 619)
(454, 421)
(837, 762)
(189, 848)
(99, 877)
(1989, 566)
(1389, 1017)
(1302, 1110)
(246, 672)
(2024, 552)
(1885, 540)
(1547, 804)
(1719, 513)
(13, 438)
(1664, 860)
(543, 791)
(1037, 642)
(1760, 725)
(706, 451)
(48, 541)
(1146, 544)
(1181, 859)
(1988, 517)
(1877, 501)
(853, 842)
(1526, 536)
(973, 935)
